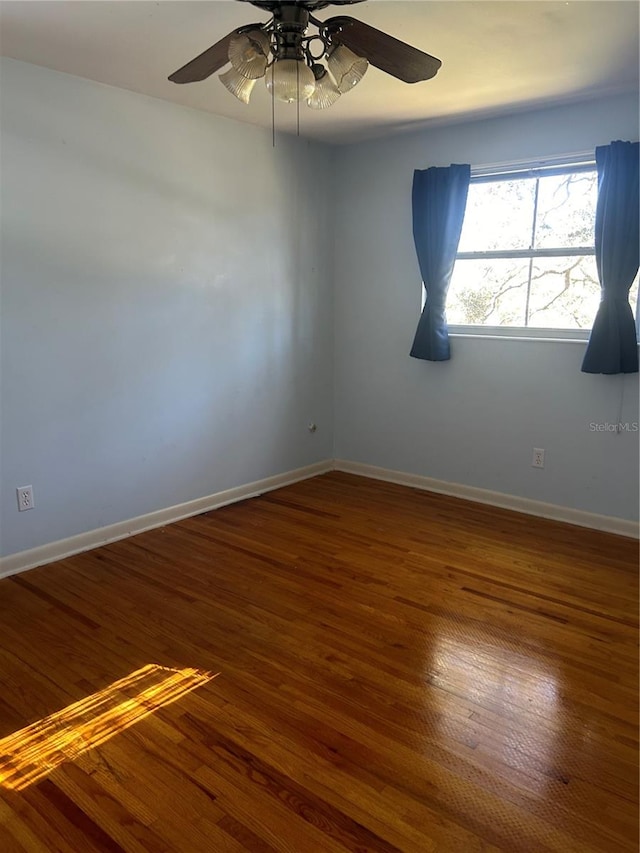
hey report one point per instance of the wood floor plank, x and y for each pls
(399, 671)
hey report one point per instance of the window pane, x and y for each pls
(488, 293)
(565, 293)
(499, 215)
(566, 210)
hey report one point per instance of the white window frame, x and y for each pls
(584, 162)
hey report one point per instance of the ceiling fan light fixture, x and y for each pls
(249, 53)
(347, 68)
(290, 80)
(326, 92)
(285, 51)
(238, 85)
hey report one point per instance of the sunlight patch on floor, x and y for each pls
(28, 755)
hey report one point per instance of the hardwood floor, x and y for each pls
(397, 671)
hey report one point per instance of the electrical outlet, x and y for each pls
(312, 427)
(538, 458)
(25, 498)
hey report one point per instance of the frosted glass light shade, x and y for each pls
(249, 53)
(238, 85)
(347, 68)
(290, 80)
(326, 91)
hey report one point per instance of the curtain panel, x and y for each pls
(612, 346)
(439, 198)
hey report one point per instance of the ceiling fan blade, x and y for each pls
(385, 52)
(208, 61)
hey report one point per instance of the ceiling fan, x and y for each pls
(303, 58)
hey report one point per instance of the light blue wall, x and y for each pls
(168, 318)
(473, 420)
(166, 304)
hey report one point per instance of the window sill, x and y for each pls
(541, 339)
(527, 338)
(520, 333)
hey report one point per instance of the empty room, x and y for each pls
(319, 426)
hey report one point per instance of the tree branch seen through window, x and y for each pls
(526, 256)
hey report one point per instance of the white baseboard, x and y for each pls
(619, 526)
(24, 560)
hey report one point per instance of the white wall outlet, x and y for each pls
(25, 498)
(538, 458)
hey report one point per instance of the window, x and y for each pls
(526, 258)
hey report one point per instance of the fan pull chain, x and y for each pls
(297, 99)
(273, 112)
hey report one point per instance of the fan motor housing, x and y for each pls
(310, 5)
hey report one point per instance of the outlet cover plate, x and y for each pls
(25, 498)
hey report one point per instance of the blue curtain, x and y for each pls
(439, 199)
(612, 346)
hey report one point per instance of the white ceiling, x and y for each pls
(498, 57)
